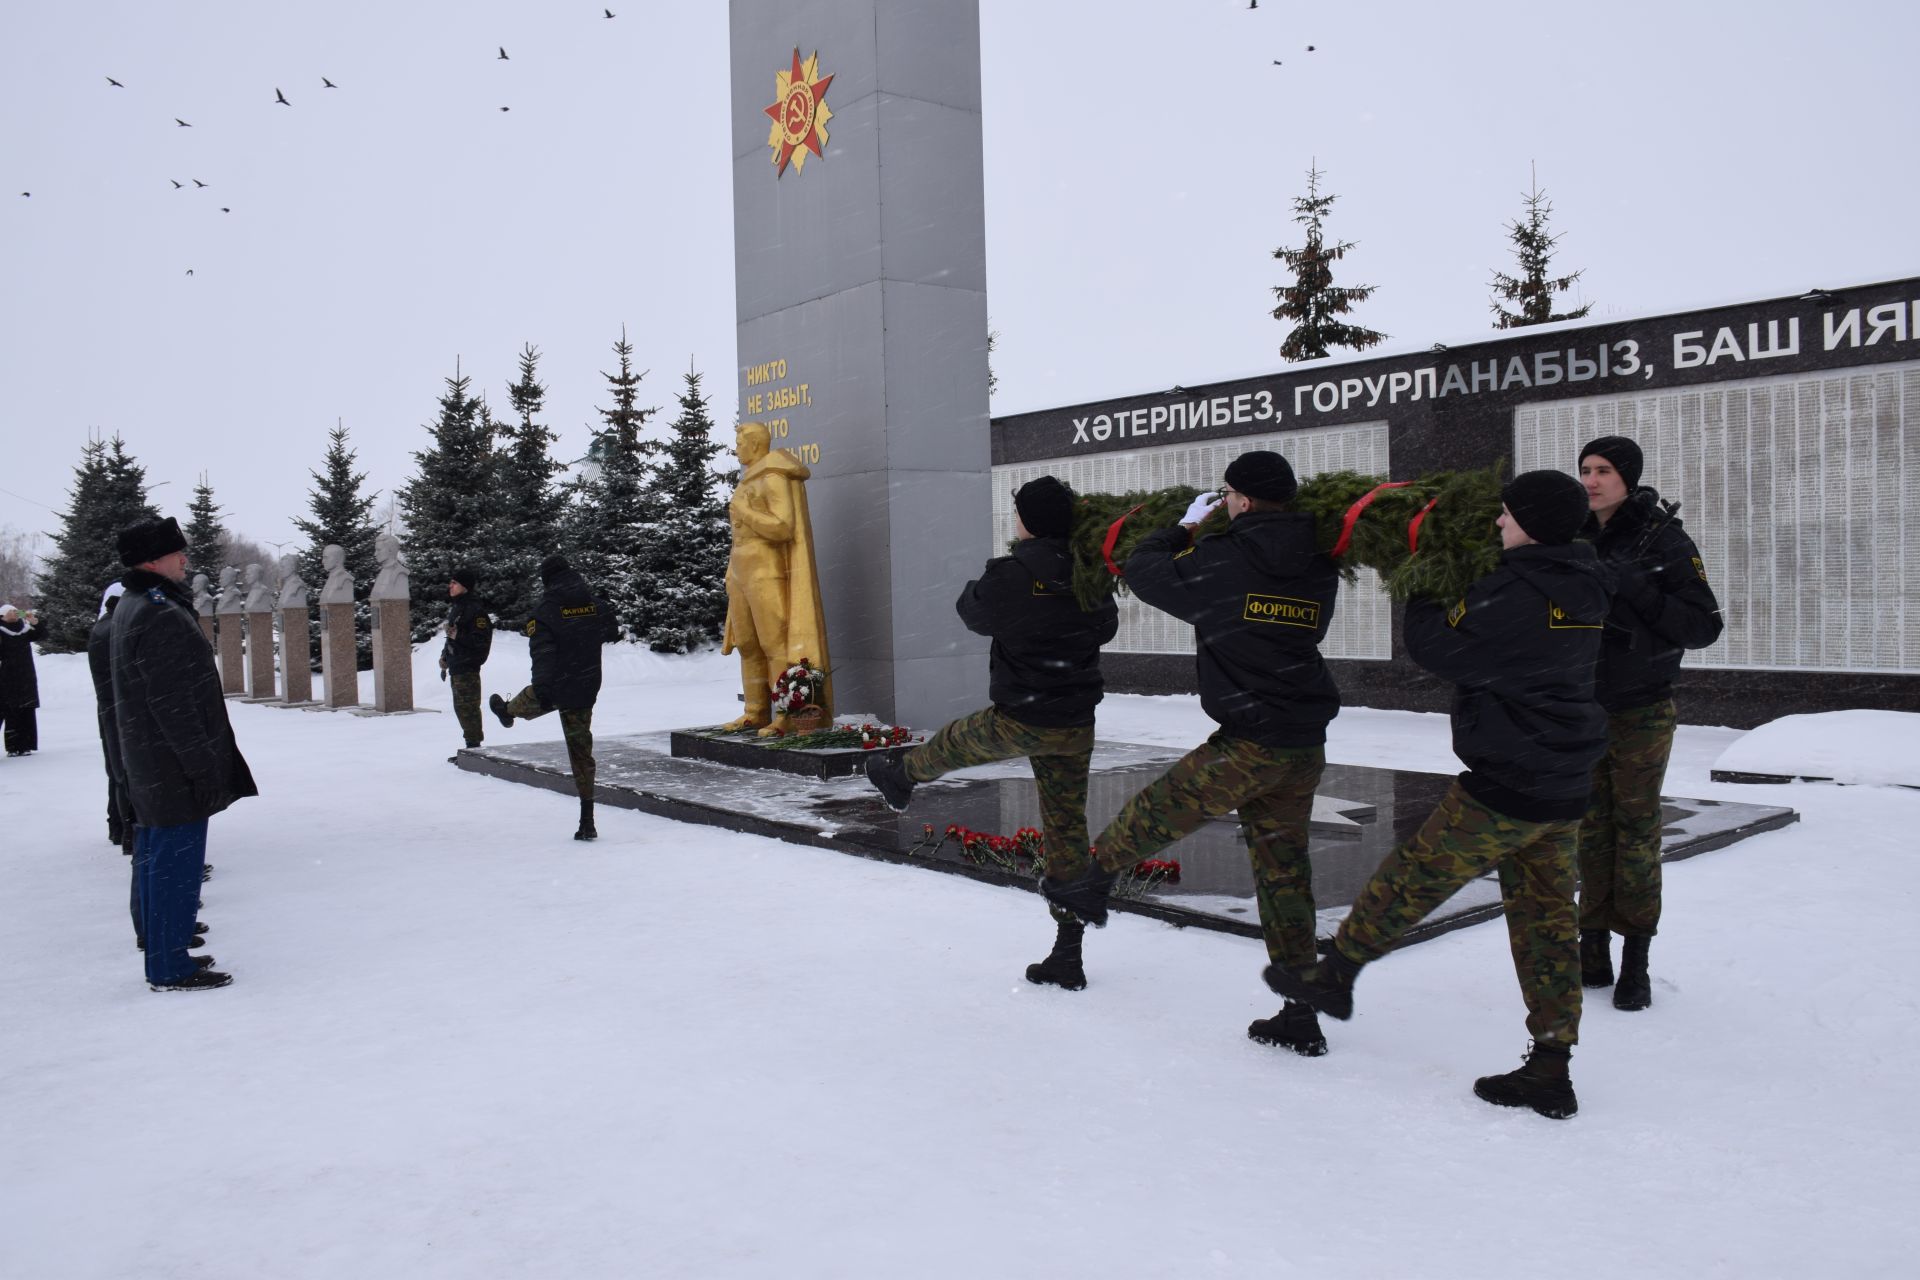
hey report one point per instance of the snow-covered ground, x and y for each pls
(460, 1044)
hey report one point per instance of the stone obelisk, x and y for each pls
(392, 629)
(296, 662)
(339, 663)
(259, 636)
(231, 614)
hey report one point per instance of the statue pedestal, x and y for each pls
(746, 751)
(296, 669)
(206, 628)
(392, 656)
(260, 655)
(337, 659)
(233, 676)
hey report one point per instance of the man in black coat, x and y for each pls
(182, 764)
(1044, 680)
(1662, 606)
(19, 682)
(1519, 649)
(469, 633)
(564, 639)
(1260, 597)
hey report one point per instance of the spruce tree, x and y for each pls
(206, 536)
(527, 505)
(341, 516)
(109, 493)
(446, 506)
(690, 574)
(1531, 292)
(1313, 302)
(611, 521)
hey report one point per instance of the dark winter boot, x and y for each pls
(1062, 967)
(586, 831)
(498, 705)
(1084, 896)
(199, 980)
(1634, 990)
(1295, 1027)
(1596, 958)
(889, 776)
(1541, 1082)
(1327, 985)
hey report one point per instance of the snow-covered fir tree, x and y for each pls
(527, 504)
(1313, 303)
(342, 516)
(1530, 293)
(610, 518)
(109, 493)
(447, 506)
(206, 536)
(691, 588)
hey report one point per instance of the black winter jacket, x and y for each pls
(1662, 605)
(469, 633)
(181, 761)
(565, 636)
(100, 664)
(1520, 647)
(19, 682)
(1044, 668)
(1260, 597)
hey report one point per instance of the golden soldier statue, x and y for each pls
(774, 616)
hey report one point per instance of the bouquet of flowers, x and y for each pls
(799, 686)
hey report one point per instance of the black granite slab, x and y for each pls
(1360, 813)
(745, 751)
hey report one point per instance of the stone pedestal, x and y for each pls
(296, 669)
(337, 662)
(206, 628)
(232, 649)
(260, 655)
(392, 656)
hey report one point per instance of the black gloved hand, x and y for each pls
(1636, 582)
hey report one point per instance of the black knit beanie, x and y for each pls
(1623, 453)
(1262, 474)
(1550, 506)
(466, 577)
(1045, 506)
(552, 569)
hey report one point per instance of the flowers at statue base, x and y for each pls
(875, 736)
(800, 685)
(1026, 851)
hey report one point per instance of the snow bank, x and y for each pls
(1876, 748)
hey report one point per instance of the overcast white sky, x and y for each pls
(1140, 158)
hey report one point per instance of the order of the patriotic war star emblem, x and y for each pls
(799, 113)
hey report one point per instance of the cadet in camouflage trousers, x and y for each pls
(576, 726)
(466, 704)
(1463, 840)
(1620, 836)
(1059, 756)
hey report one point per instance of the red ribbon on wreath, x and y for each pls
(1113, 537)
(1413, 527)
(1353, 515)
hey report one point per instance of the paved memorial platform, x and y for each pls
(1359, 814)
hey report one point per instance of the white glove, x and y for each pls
(1201, 508)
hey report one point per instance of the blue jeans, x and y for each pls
(168, 862)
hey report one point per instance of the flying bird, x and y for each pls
(281, 98)
(189, 270)
(506, 108)
(26, 193)
(115, 83)
(224, 209)
(1278, 63)
(503, 55)
(198, 183)
(177, 184)
(330, 84)
(182, 123)
(1309, 48)
(608, 12)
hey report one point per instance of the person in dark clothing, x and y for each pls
(565, 635)
(19, 682)
(1044, 682)
(1519, 649)
(100, 665)
(469, 633)
(1662, 606)
(1260, 597)
(178, 751)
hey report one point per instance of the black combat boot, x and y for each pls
(1541, 1082)
(586, 831)
(1062, 967)
(199, 980)
(1327, 985)
(1634, 991)
(1295, 1027)
(498, 705)
(1084, 896)
(1596, 958)
(888, 774)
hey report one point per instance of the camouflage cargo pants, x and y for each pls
(1620, 836)
(466, 704)
(575, 725)
(1461, 841)
(1059, 757)
(1272, 787)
